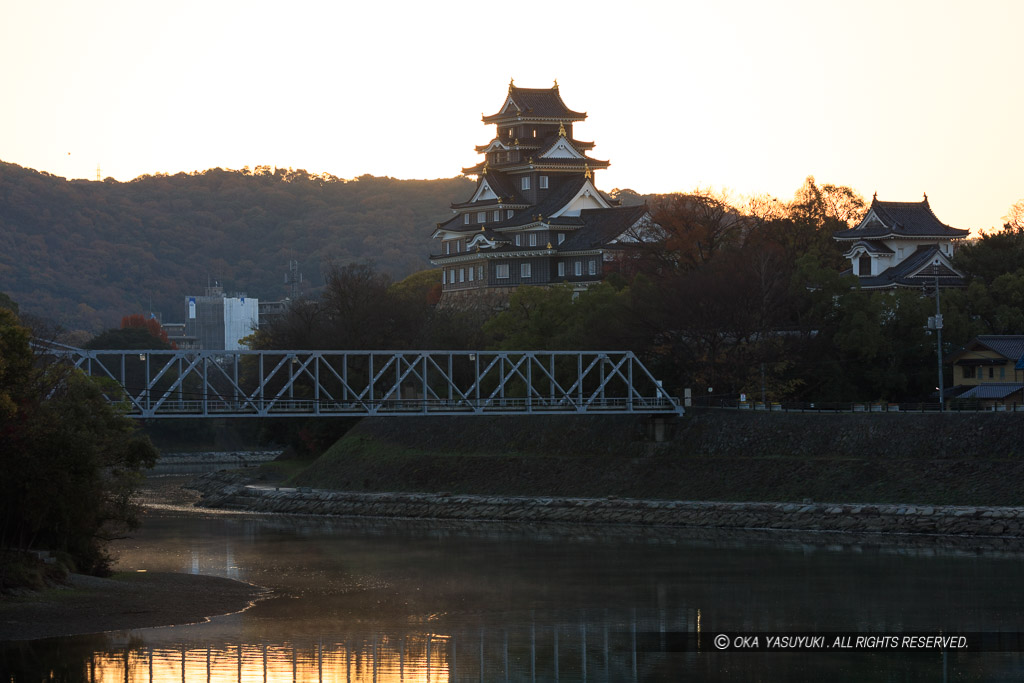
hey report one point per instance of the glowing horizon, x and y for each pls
(903, 100)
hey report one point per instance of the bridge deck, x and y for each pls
(179, 384)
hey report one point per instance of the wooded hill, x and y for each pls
(84, 254)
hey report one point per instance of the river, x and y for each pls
(399, 600)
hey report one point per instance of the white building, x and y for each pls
(219, 322)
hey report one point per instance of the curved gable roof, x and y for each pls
(925, 265)
(535, 103)
(900, 219)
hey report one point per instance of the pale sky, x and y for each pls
(900, 97)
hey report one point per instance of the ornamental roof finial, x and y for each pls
(511, 84)
(925, 196)
(874, 196)
(561, 129)
(555, 87)
(587, 173)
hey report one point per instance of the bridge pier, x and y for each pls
(660, 428)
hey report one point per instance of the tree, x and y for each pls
(151, 325)
(127, 338)
(70, 460)
(696, 226)
(834, 206)
(536, 318)
(1015, 217)
(992, 255)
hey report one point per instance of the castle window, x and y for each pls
(519, 239)
(479, 272)
(543, 183)
(458, 246)
(533, 239)
(592, 267)
(534, 132)
(864, 266)
(447, 247)
(471, 269)
(561, 269)
(481, 217)
(465, 219)
(524, 270)
(561, 237)
(444, 277)
(577, 268)
(501, 271)
(497, 215)
(509, 213)
(525, 184)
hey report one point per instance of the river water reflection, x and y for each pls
(394, 600)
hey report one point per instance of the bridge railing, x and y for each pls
(163, 383)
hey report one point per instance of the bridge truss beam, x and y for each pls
(189, 384)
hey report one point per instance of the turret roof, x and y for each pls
(572, 164)
(543, 103)
(900, 219)
(918, 269)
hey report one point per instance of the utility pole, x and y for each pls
(935, 323)
(764, 393)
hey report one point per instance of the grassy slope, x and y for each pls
(968, 460)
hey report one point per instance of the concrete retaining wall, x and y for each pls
(225, 490)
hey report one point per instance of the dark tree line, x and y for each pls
(84, 253)
(70, 460)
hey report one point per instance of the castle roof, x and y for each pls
(900, 219)
(919, 269)
(534, 103)
(601, 226)
(550, 205)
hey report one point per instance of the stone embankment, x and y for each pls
(229, 491)
(236, 457)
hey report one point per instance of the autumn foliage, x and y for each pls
(151, 325)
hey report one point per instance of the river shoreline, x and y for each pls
(124, 602)
(145, 600)
(233, 491)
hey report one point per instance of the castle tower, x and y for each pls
(536, 217)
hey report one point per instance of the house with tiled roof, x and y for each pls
(535, 217)
(902, 244)
(990, 369)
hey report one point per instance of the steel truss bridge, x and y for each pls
(190, 383)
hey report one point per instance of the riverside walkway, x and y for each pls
(302, 383)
